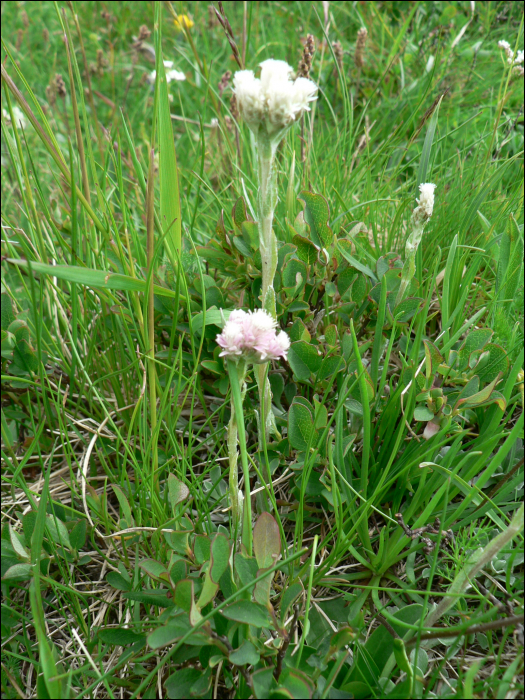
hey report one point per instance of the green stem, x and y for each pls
(233, 371)
(235, 500)
(267, 200)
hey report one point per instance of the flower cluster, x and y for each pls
(423, 211)
(512, 58)
(252, 336)
(273, 99)
(171, 74)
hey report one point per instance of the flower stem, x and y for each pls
(235, 371)
(409, 268)
(267, 201)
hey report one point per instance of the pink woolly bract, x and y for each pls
(252, 336)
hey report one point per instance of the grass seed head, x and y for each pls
(60, 85)
(305, 64)
(338, 53)
(360, 45)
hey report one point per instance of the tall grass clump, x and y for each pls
(290, 235)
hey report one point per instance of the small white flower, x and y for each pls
(175, 75)
(512, 58)
(170, 74)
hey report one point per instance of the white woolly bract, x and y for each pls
(273, 98)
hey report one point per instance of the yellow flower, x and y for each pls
(183, 22)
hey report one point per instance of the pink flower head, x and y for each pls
(252, 336)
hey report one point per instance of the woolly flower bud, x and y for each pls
(273, 98)
(251, 336)
(426, 199)
(423, 211)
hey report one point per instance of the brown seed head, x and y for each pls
(19, 37)
(338, 53)
(360, 44)
(212, 18)
(224, 81)
(51, 93)
(144, 33)
(24, 18)
(45, 35)
(233, 108)
(60, 85)
(101, 62)
(305, 63)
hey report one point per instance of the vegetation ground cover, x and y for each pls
(384, 469)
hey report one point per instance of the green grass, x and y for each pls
(118, 251)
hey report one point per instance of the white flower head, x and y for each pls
(171, 73)
(247, 89)
(252, 336)
(273, 72)
(273, 99)
(513, 59)
(426, 200)
(175, 75)
(425, 207)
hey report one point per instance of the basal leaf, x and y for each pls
(177, 491)
(220, 555)
(248, 613)
(407, 308)
(497, 362)
(301, 431)
(245, 654)
(154, 569)
(304, 359)
(119, 636)
(118, 581)
(167, 634)
(266, 540)
(316, 215)
(184, 595)
(307, 251)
